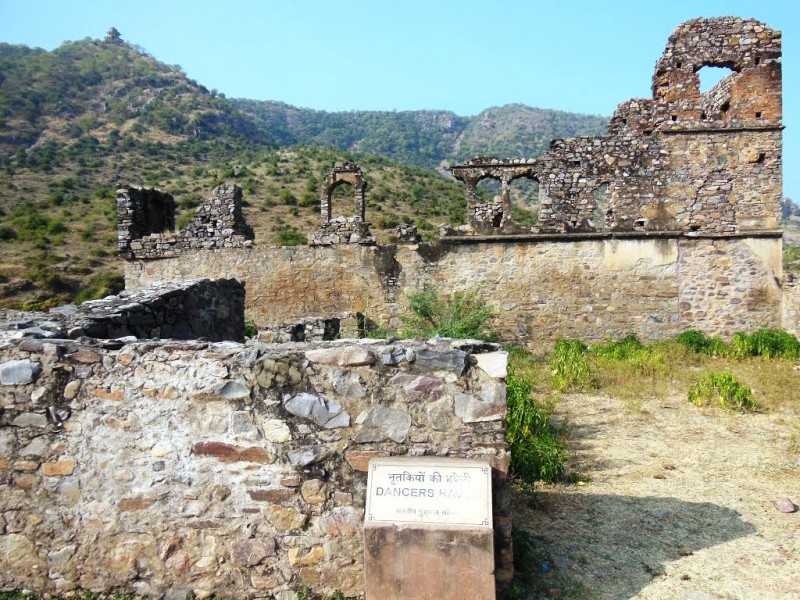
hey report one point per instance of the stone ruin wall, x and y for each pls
(683, 181)
(680, 161)
(179, 467)
(146, 223)
(591, 288)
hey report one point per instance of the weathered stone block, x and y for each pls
(19, 372)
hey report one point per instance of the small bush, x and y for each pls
(460, 315)
(250, 329)
(290, 236)
(537, 452)
(286, 197)
(723, 390)
(622, 349)
(699, 342)
(769, 343)
(569, 366)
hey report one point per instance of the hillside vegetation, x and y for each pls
(91, 116)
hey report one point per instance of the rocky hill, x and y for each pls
(423, 137)
(91, 115)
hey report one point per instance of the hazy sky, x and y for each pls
(407, 54)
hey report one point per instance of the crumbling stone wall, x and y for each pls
(590, 286)
(191, 467)
(217, 223)
(681, 161)
(141, 212)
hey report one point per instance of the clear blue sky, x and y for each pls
(461, 55)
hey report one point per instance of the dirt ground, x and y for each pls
(677, 504)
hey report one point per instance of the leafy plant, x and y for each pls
(459, 315)
(569, 366)
(723, 390)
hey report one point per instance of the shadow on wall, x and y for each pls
(604, 546)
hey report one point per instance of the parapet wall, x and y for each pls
(544, 287)
(178, 467)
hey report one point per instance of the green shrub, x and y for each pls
(569, 366)
(699, 342)
(286, 197)
(459, 315)
(250, 329)
(769, 343)
(537, 452)
(621, 349)
(723, 390)
(290, 236)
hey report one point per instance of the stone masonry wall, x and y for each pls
(591, 288)
(178, 467)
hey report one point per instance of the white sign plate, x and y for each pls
(429, 490)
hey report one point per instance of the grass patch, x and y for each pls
(100, 286)
(791, 258)
(723, 390)
(537, 450)
(569, 366)
(632, 371)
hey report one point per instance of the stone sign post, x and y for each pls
(428, 530)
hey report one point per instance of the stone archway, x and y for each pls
(348, 172)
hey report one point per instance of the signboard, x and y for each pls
(429, 491)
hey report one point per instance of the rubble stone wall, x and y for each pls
(593, 287)
(171, 467)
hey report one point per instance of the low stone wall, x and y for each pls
(171, 467)
(544, 287)
(791, 303)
